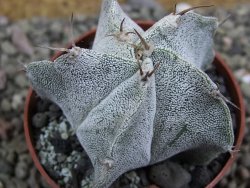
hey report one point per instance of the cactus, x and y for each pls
(137, 98)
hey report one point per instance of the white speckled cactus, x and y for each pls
(129, 112)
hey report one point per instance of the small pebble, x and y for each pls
(21, 170)
(16, 101)
(9, 183)
(64, 136)
(228, 42)
(63, 126)
(202, 176)
(54, 108)
(42, 105)
(11, 157)
(26, 158)
(169, 174)
(6, 167)
(18, 145)
(143, 177)
(3, 79)
(8, 48)
(21, 81)
(246, 79)
(20, 183)
(232, 184)
(245, 160)
(5, 105)
(39, 120)
(61, 158)
(1, 184)
(245, 89)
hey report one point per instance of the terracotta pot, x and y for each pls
(84, 41)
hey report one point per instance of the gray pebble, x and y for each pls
(61, 158)
(232, 184)
(6, 167)
(40, 120)
(133, 177)
(21, 81)
(237, 61)
(82, 163)
(56, 30)
(242, 11)
(42, 105)
(26, 158)
(54, 108)
(143, 177)
(18, 144)
(64, 136)
(215, 167)
(10, 90)
(82, 28)
(63, 127)
(11, 157)
(38, 146)
(56, 27)
(135, 15)
(227, 43)
(247, 105)
(8, 48)
(53, 115)
(5, 105)
(145, 13)
(202, 176)
(3, 79)
(17, 123)
(6, 181)
(237, 31)
(158, 14)
(3, 153)
(245, 89)
(169, 174)
(17, 101)
(21, 170)
(2, 35)
(34, 179)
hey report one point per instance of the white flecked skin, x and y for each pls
(190, 37)
(109, 23)
(124, 122)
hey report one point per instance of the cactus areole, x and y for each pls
(140, 97)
